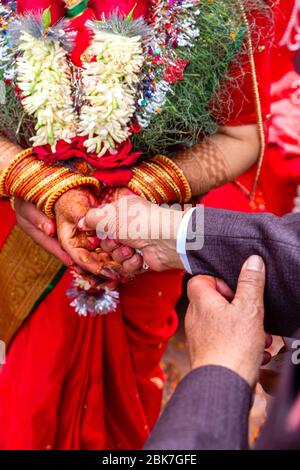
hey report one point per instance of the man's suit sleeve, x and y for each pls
(209, 410)
(231, 237)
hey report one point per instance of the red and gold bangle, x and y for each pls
(173, 192)
(148, 181)
(168, 165)
(13, 176)
(21, 156)
(140, 189)
(39, 183)
(160, 180)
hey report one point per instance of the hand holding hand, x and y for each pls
(133, 223)
(224, 333)
(80, 246)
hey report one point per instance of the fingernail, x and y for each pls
(81, 223)
(101, 235)
(125, 251)
(255, 263)
(47, 228)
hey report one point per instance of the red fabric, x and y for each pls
(241, 104)
(281, 57)
(279, 180)
(281, 169)
(88, 383)
(107, 7)
(114, 170)
(84, 35)
(57, 7)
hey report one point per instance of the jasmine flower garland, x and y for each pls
(44, 80)
(109, 84)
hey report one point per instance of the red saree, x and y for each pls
(87, 383)
(93, 383)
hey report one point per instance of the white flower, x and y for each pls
(109, 91)
(44, 78)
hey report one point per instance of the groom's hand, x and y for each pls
(228, 330)
(131, 224)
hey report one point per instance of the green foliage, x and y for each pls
(189, 112)
(46, 18)
(15, 124)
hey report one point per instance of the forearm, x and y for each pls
(208, 411)
(231, 237)
(8, 152)
(219, 159)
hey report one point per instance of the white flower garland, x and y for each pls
(44, 78)
(109, 91)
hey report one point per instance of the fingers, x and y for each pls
(134, 264)
(109, 245)
(86, 260)
(103, 220)
(49, 244)
(251, 283)
(204, 291)
(29, 212)
(52, 246)
(267, 357)
(122, 254)
(269, 341)
(224, 289)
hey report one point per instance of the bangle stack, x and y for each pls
(160, 181)
(40, 184)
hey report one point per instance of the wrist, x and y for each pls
(248, 372)
(167, 245)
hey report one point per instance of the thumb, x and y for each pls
(203, 290)
(103, 220)
(251, 283)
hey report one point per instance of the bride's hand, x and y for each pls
(81, 247)
(41, 229)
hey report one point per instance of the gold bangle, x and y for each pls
(51, 190)
(149, 179)
(137, 187)
(146, 191)
(164, 175)
(48, 180)
(24, 176)
(161, 159)
(20, 156)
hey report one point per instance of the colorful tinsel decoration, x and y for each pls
(7, 53)
(173, 25)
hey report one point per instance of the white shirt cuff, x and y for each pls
(181, 240)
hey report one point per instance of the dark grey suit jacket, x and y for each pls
(231, 237)
(210, 408)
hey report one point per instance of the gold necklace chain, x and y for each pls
(260, 120)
